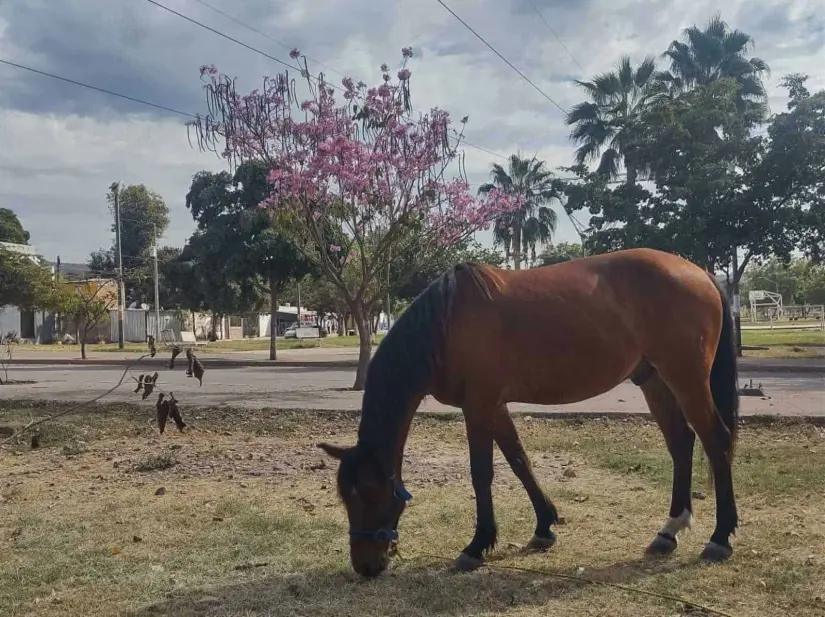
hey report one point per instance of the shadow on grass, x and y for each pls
(410, 588)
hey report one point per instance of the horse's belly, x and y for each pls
(562, 384)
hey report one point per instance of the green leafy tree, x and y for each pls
(87, 303)
(535, 222)
(603, 125)
(258, 257)
(11, 230)
(717, 186)
(407, 283)
(560, 253)
(144, 218)
(706, 55)
(24, 283)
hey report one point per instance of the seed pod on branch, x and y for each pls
(174, 412)
(175, 353)
(197, 369)
(149, 385)
(162, 407)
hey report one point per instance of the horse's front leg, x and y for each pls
(480, 423)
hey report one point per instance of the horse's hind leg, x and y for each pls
(508, 441)
(480, 421)
(680, 439)
(696, 401)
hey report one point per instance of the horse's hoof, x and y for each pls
(661, 546)
(538, 544)
(465, 563)
(716, 553)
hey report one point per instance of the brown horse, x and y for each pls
(479, 337)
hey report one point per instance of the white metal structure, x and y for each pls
(769, 300)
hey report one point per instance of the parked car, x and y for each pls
(298, 332)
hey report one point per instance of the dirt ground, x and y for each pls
(238, 516)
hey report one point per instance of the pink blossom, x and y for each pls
(406, 52)
(384, 68)
(208, 69)
(358, 174)
(294, 53)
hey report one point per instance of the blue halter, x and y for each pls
(400, 496)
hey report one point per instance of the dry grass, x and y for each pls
(249, 523)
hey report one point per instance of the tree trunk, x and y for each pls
(273, 318)
(82, 334)
(517, 247)
(364, 346)
(632, 174)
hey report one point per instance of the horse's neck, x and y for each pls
(386, 431)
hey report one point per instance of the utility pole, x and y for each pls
(57, 313)
(157, 286)
(115, 188)
(299, 304)
(737, 313)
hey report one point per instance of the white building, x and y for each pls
(34, 326)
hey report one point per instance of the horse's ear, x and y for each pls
(334, 451)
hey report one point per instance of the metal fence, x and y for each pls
(138, 324)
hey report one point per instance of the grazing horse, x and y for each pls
(479, 337)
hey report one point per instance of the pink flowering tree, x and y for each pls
(355, 180)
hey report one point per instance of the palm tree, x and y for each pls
(713, 53)
(534, 223)
(602, 126)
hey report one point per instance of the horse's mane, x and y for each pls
(406, 359)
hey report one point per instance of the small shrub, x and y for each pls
(157, 462)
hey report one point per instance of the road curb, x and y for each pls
(353, 413)
(321, 364)
(163, 362)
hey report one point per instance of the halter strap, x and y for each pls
(399, 493)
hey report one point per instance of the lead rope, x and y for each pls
(582, 579)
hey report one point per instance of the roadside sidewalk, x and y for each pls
(328, 357)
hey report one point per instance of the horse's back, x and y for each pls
(570, 331)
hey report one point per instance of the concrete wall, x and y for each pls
(9, 320)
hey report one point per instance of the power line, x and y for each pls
(233, 39)
(263, 34)
(266, 55)
(493, 49)
(553, 30)
(96, 88)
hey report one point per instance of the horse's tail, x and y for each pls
(724, 384)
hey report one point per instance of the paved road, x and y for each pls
(319, 388)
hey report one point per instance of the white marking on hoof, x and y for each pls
(540, 544)
(465, 563)
(675, 524)
(716, 553)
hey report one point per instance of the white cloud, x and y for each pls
(55, 167)
(58, 170)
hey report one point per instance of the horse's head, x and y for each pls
(374, 501)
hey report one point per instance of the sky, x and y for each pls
(61, 146)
